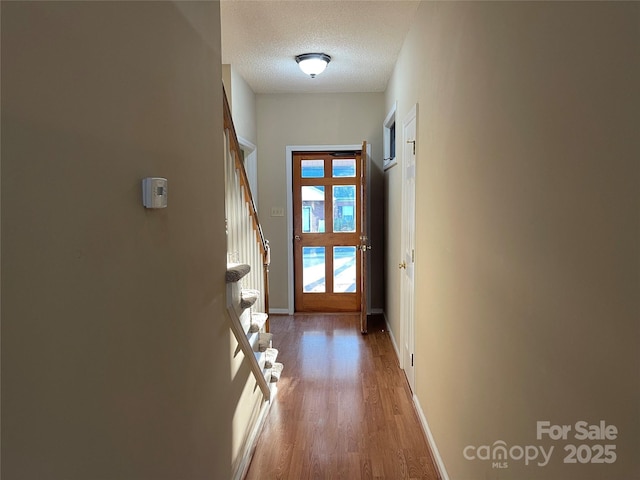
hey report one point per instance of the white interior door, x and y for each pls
(408, 243)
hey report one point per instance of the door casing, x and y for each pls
(251, 166)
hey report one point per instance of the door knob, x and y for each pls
(402, 265)
(297, 237)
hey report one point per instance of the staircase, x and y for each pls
(249, 328)
(247, 276)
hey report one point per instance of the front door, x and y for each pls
(327, 223)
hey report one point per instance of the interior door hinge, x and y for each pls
(412, 359)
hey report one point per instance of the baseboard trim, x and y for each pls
(393, 338)
(250, 447)
(279, 311)
(442, 471)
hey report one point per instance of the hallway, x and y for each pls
(343, 408)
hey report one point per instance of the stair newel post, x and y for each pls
(266, 263)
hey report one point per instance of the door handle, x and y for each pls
(402, 265)
(297, 237)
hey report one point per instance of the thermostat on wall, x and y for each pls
(154, 192)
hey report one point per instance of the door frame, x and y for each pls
(251, 166)
(289, 166)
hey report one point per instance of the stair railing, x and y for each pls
(245, 239)
(246, 244)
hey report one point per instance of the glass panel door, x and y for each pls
(327, 218)
(344, 269)
(313, 270)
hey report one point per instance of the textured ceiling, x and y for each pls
(260, 39)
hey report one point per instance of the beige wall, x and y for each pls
(115, 343)
(315, 119)
(528, 234)
(226, 81)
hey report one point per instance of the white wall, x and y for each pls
(242, 102)
(315, 119)
(528, 234)
(243, 108)
(115, 342)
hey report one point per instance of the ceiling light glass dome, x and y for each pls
(313, 63)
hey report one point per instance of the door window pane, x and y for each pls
(344, 269)
(313, 268)
(312, 209)
(312, 168)
(344, 211)
(343, 167)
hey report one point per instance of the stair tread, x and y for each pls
(258, 319)
(235, 271)
(276, 371)
(270, 356)
(248, 297)
(264, 341)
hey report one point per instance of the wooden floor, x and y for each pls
(343, 408)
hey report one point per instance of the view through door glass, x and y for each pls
(326, 228)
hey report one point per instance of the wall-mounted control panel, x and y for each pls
(154, 192)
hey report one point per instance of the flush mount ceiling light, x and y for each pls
(313, 63)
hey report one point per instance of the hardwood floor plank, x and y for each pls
(343, 409)
(365, 468)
